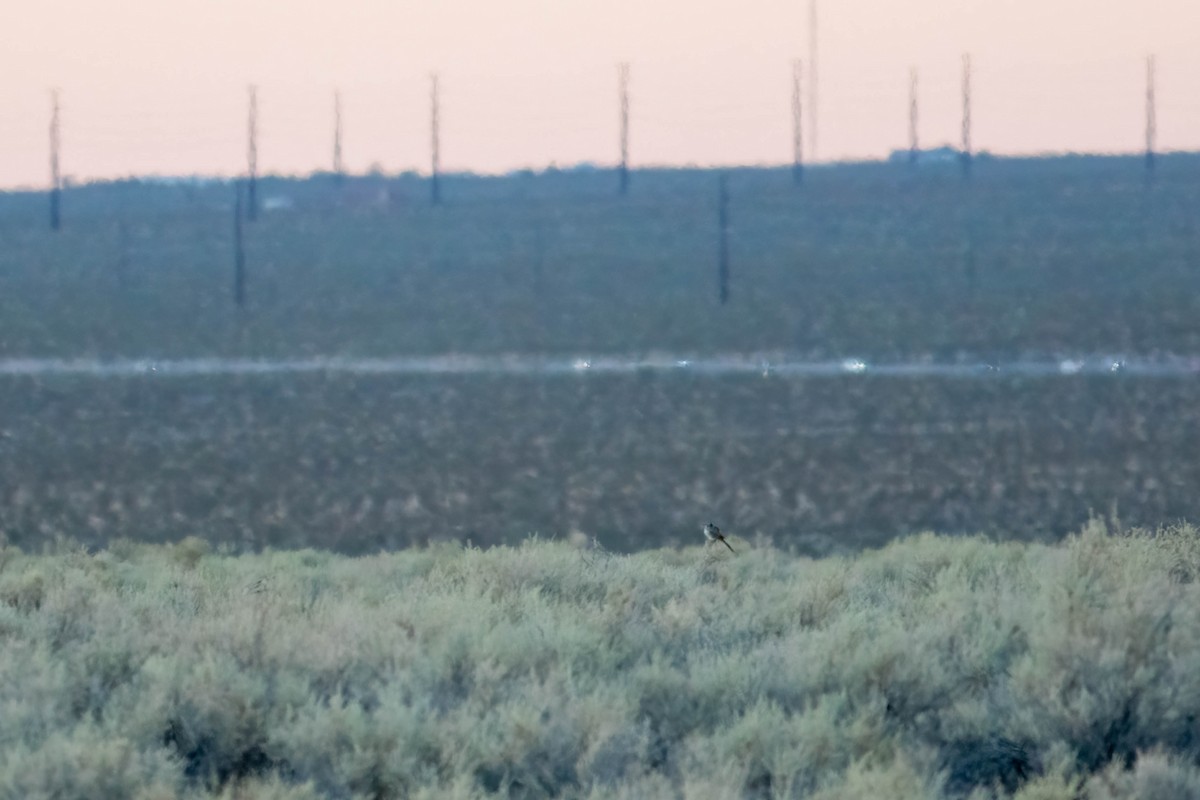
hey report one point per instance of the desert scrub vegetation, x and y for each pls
(1062, 255)
(360, 464)
(933, 667)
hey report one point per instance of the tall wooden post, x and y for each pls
(913, 143)
(623, 80)
(435, 188)
(55, 175)
(1151, 118)
(812, 79)
(339, 169)
(252, 157)
(797, 125)
(239, 253)
(723, 246)
(966, 154)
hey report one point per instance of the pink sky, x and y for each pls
(159, 86)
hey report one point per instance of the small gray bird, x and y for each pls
(713, 534)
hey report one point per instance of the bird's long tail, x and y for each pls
(727, 544)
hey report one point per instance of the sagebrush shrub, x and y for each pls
(934, 667)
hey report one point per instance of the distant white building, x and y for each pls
(277, 202)
(936, 155)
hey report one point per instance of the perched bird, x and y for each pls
(713, 534)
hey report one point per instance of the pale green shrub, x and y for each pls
(189, 550)
(1155, 776)
(87, 762)
(934, 667)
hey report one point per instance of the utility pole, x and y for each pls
(338, 168)
(966, 116)
(797, 128)
(55, 175)
(723, 244)
(239, 253)
(623, 82)
(812, 78)
(435, 137)
(913, 144)
(1151, 119)
(252, 157)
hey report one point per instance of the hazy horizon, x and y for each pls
(150, 89)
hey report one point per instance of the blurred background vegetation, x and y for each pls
(1038, 258)
(1033, 256)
